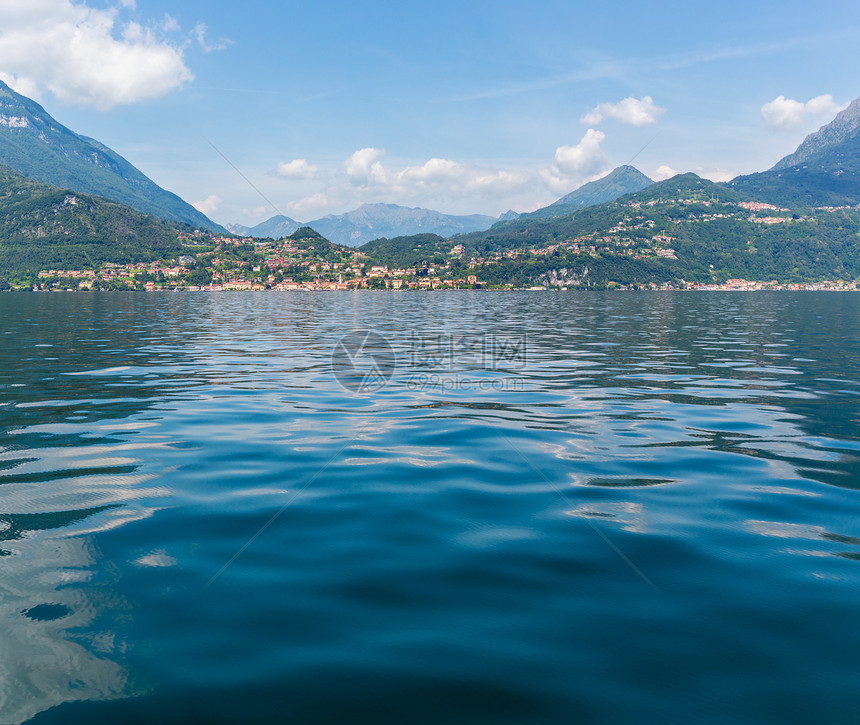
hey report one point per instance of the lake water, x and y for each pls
(533, 508)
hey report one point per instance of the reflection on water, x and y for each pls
(46, 594)
(429, 553)
(57, 637)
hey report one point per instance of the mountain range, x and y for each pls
(36, 145)
(377, 221)
(372, 221)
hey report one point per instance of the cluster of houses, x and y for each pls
(752, 285)
(110, 272)
(355, 283)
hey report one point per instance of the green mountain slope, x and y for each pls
(683, 228)
(407, 251)
(43, 226)
(37, 146)
(621, 181)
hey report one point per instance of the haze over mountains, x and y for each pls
(36, 145)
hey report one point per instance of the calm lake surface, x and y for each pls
(544, 508)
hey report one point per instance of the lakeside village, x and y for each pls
(225, 263)
(250, 264)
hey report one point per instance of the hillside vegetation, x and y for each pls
(43, 226)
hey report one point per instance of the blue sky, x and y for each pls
(464, 107)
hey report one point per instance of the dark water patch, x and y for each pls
(628, 482)
(47, 612)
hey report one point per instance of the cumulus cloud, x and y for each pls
(577, 164)
(434, 171)
(633, 111)
(364, 176)
(209, 205)
(85, 55)
(786, 113)
(584, 158)
(364, 167)
(663, 172)
(297, 169)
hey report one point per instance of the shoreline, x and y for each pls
(794, 287)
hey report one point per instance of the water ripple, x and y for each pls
(471, 543)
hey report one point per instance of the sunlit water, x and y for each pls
(644, 509)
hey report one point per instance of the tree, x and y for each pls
(199, 277)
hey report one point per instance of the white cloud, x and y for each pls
(199, 34)
(297, 169)
(434, 171)
(311, 206)
(258, 213)
(209, 205)
(364, 167)
(786, 113)
(496, 181)
(169, 24)
(715, 173)
(84, 55)
(24, 86)
(575, 165)
(663, 172)
(437, 182)
(633, 111)
(584, 158)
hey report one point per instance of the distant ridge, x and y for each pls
(36, 145)
(374, 221)
(277, 227)
(238, 229)
(617, 183)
